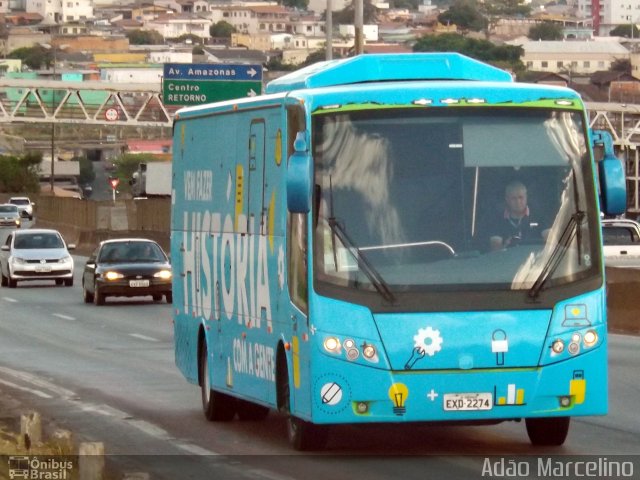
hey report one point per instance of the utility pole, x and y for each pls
(53, 124)
(359, 45)
(328, 25)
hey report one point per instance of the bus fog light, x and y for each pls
(353, 353)
(565, 401)
(369, 351)
(574, 348)
(332, 344)
(590, 338)
(362, 407)
(558, 346)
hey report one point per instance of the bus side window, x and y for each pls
(297, 226)
(297, 261)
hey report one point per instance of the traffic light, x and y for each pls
(113, 181)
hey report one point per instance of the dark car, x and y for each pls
(128, 267)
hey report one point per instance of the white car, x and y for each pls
(35, 254)
(9, 216)
(25, 206)
(621, 243)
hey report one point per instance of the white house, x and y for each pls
(59, 11)
(572, 57)
(131, 75)
(172, 26)
(369, 32)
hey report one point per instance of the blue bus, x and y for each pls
(332, 255)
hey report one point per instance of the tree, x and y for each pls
(503, 56)
(145, 37)
(222, 29)
(621, 65)
(625, 31)
(187, 38)
(87, 174)
(34, 57)
(465, 15)
(546, 31)
(299, 4)
(346, 16)
(20, 173)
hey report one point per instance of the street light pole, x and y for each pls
(53, 124)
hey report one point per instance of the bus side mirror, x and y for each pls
(299, 176)
(613, 184)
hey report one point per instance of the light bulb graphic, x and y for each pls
(398, 393)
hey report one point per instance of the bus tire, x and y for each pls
(551, 431)
(303, 435)
(251, 412)
(216, 406)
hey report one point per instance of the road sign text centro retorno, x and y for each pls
(195, 84)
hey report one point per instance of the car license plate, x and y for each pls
(43, 269)
(138, 283)
(468, 401)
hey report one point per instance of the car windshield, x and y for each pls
(34, 241)
(131, 252)
(20, 201)
(8, 209)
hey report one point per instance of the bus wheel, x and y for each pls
(217, 407)
(302, 435)
(550, 431)
(251, 412)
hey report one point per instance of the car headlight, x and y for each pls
(65, 259)
(18, 260)
(111, 275)
(17, 222)
(163, 274)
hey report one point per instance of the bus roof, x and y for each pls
(386, 67)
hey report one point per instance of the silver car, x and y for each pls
(35, 254)
(9, 216)
(25, 206)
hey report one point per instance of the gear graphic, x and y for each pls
(281, 267)
(434, 343)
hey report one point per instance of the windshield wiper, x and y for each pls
(568, 234)
(363, 264)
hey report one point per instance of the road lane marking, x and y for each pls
(143, 337)
(38, 382)
(9, 299)
(64, 317)
(38, 393)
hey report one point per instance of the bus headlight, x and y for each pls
(558, 347)
(332, 344)
(590, 338)
(369, 351)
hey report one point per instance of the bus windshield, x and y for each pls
(455, 199)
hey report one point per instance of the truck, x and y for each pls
(621, 243)
(151, 180)
(329, 261)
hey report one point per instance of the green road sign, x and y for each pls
(191, 92)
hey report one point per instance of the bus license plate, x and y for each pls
(468, 401)
(138, 283)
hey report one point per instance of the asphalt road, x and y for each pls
(108, 374)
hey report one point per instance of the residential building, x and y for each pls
(370, 32)
(572, 57)
(59, 11)
(608, 14)
(173, 26)
(252, 19)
